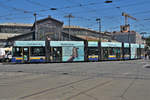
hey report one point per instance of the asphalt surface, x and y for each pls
(113, 80)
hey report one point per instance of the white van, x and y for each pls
(2, 54)
(8, 54)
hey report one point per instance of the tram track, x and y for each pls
(90, 89)
(66, 85)
(54, 88)
(69, 84)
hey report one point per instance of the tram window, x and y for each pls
(25, 49)
(92, 51)
(57, 51)
(105, 52)
(126, 50)
(138, 52)
(118, 51)
(112, 51)
(56, 54)
(17, 52)
(38, 51)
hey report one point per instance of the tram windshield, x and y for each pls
(17, 52)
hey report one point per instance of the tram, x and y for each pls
(73, 51)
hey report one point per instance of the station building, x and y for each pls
(8, 30)
(51, 28)
(56, 31)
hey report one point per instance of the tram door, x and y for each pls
(105, 53)
(26, 54)
(56, 54)
(118, 53)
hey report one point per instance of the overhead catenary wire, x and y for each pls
(61, 11)
(15, 9)
(67, 7)
(37, 3)
(64, 7)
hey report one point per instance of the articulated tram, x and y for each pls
(73, 51)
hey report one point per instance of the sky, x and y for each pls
(85, 12)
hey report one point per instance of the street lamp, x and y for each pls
(99, 43)
(35, 26)
(99, 27)
(69, 17)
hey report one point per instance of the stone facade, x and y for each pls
(48, 27)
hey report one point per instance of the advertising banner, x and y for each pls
(73, 53)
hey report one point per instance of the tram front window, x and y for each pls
(37, 51)
(17, 52)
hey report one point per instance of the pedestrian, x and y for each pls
(145, 56)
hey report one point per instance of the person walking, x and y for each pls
(146, 56)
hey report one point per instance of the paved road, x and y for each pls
(114, 80)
